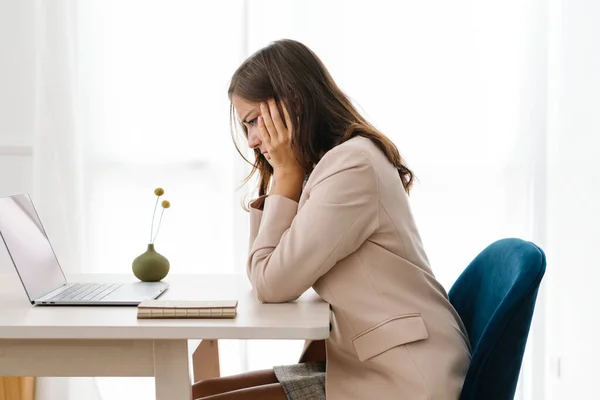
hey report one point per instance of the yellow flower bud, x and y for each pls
(166, 204)
(159, 191)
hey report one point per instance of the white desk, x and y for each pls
(111, 341)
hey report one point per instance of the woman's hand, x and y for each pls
(277, 137)
(288, 174)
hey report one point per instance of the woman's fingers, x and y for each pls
(276, 136)
(263, 132)
(276, 118)
(288, 120)
(268, 122)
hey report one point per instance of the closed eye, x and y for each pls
(252, 122)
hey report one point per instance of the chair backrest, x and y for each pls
(495, 297)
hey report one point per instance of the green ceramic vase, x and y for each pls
(150, 266)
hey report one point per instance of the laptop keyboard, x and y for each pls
(86, 291)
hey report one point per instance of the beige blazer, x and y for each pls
(352, 238)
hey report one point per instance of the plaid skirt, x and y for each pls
(304, 381)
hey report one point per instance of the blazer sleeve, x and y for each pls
(256, 211)
(292, 249)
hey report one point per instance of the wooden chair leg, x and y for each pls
(27, 388)
(205, 360)
(17, 388)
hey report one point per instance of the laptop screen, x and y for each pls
(29, 247)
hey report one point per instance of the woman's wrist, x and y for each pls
(288, 184)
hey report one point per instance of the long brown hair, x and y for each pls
(323, 116)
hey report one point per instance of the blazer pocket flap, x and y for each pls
(390, 333)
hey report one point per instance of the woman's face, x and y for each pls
(248, 113)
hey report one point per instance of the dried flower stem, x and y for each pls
(158, 229)
(153, 214)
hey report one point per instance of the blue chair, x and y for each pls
(495, 297)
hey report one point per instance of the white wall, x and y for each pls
(16, 101)
(16, 72)
(574, 202)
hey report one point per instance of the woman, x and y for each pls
(337, 218)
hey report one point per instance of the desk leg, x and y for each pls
(171, 370)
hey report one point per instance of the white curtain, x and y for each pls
(459, 86)
(57, 165)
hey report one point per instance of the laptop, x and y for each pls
(40, 272)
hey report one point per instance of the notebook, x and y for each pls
(187, 309)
